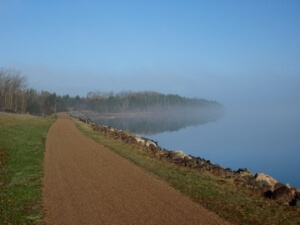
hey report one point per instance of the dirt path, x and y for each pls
(85, 183)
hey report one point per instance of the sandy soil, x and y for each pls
(85, 183)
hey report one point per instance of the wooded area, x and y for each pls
(16, 97)
(146, 101)
(12, 91)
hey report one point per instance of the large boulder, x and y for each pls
(150, 143)
(283, 193)
(179, 155)
(140, 140)
(265, 179)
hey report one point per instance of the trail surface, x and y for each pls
(86, 183)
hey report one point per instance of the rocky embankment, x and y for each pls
(260, 182)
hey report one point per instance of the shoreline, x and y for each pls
(268, 186)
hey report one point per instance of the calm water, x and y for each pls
(265, 141)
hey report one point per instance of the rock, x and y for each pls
(297, 203)
(140, 140)
(200, 161)
(244, 172)
(191, 163)
(178, 155)
(187, 157)
(283, 193)
(294, 192)
(268, 194)
(266, 191)
(150, 143)
(296, 200)
(278, 185)
(265, 179)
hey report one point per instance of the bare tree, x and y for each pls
(12, 90)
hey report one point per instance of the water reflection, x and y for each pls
(262, 140)
(155, 123)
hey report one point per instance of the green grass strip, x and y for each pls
(22, 147)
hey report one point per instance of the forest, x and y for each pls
(145, 101)
(16, 97)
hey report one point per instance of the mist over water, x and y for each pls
(155, 123)
(260, 139)
(263, 140)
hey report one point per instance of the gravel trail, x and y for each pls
(86, 183)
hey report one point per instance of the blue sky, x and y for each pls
(235, 52)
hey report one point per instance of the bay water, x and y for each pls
(266, 141)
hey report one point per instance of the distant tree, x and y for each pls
(33, 106)
(50, 104)
(61, 105)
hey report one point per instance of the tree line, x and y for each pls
(145, 101)
(16, 97)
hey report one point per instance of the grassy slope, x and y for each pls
(22, 146)
(239, 205)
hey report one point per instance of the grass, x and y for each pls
(22, 146)
(239, 205)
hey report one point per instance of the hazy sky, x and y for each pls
(242, 51)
